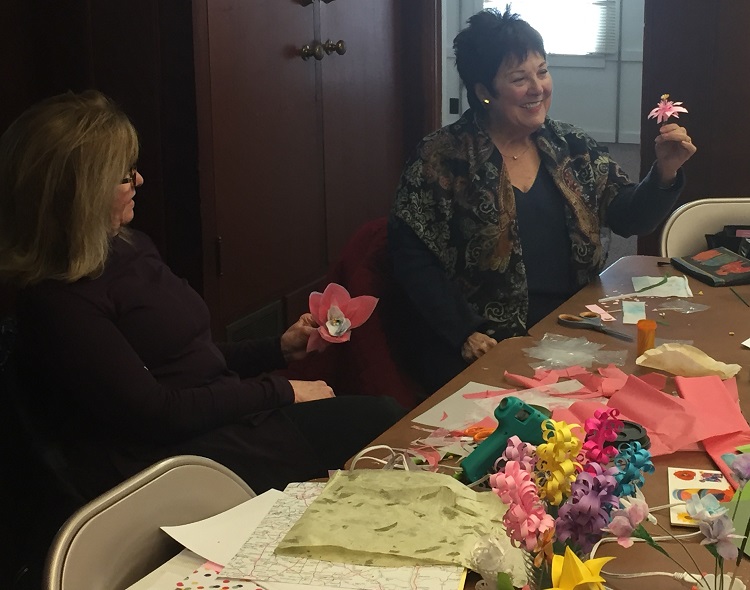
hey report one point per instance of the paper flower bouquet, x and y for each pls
(567, 494)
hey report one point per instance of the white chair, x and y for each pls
(115, 540)
(685, 230)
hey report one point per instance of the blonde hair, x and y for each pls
(60, 162)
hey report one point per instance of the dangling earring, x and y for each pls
(486, 101)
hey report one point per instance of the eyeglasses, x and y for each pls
(130, 178)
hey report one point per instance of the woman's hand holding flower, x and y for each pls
(294, 340)
(673, 148)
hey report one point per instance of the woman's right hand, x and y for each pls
(307, 391)
(476, 345)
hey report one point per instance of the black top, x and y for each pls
(545, 243)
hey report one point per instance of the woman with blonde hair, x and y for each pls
(115, 350)
(58, 162)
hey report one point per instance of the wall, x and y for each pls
(697, 52)
(601, 95)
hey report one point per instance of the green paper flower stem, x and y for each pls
(684, 569)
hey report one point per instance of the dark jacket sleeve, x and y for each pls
(250, 358)
(435, 297)
(90, 365)
(639, 209)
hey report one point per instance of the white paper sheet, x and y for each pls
(674, 287)
(219, 537)
(456, 412)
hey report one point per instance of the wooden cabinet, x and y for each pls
(295, 154)
(258, 165)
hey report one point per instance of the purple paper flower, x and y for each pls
(741, 468)
(520, 451)
(583, 517)
(718, 532)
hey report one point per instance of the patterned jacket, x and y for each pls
(457, 198)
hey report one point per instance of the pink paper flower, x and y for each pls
(525, 518)
(665, 109)
(626, 520)
(337, 313)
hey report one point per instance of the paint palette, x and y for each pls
(685, 482)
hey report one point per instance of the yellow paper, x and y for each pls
(396, 518)
(685, 360)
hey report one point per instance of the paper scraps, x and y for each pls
(655, 287)
(556, 351)
(632, 311)
(685, 360)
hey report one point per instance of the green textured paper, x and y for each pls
(396, 518)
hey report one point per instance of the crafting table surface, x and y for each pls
(718, 331)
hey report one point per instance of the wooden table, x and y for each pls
(718, 331)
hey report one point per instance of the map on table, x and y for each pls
(256, 560)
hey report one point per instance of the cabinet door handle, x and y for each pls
(339, 47)
(306, 2)
(316, 50)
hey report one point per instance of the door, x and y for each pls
(363, 120)
(261, 153)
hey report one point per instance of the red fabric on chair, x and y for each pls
(369, 363)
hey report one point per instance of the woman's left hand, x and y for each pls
(294, 340)
(673, 148)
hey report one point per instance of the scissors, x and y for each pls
(588, 320)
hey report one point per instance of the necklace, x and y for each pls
(517, 155)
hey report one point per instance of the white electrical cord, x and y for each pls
(396, 459)
(686, 577)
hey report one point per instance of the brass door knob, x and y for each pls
(316, 50)
(330, 47)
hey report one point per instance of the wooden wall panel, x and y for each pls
(697, 52)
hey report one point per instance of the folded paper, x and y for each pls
(685, 360)
(391, 518)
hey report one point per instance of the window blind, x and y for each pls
(572, 27)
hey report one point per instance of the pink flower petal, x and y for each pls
(315, 342)
(315, 300)
(359, 309)
(334, 294)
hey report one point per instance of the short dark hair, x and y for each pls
(492, 37)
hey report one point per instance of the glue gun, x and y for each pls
(514, 417)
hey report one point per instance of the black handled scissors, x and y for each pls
(588, 320)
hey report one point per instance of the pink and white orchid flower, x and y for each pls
(337, 313)
(665, 109)
(625, 520)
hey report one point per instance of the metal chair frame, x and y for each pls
(115, 540)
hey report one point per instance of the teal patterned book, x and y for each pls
(718, 267)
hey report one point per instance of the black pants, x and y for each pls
(339, 427)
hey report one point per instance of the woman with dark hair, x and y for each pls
(503, 215)
(116, 351)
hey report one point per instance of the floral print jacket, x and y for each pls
(457, 198)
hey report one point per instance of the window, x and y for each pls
(572, 27)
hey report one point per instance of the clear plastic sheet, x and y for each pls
(682, 306)
(556, 352)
